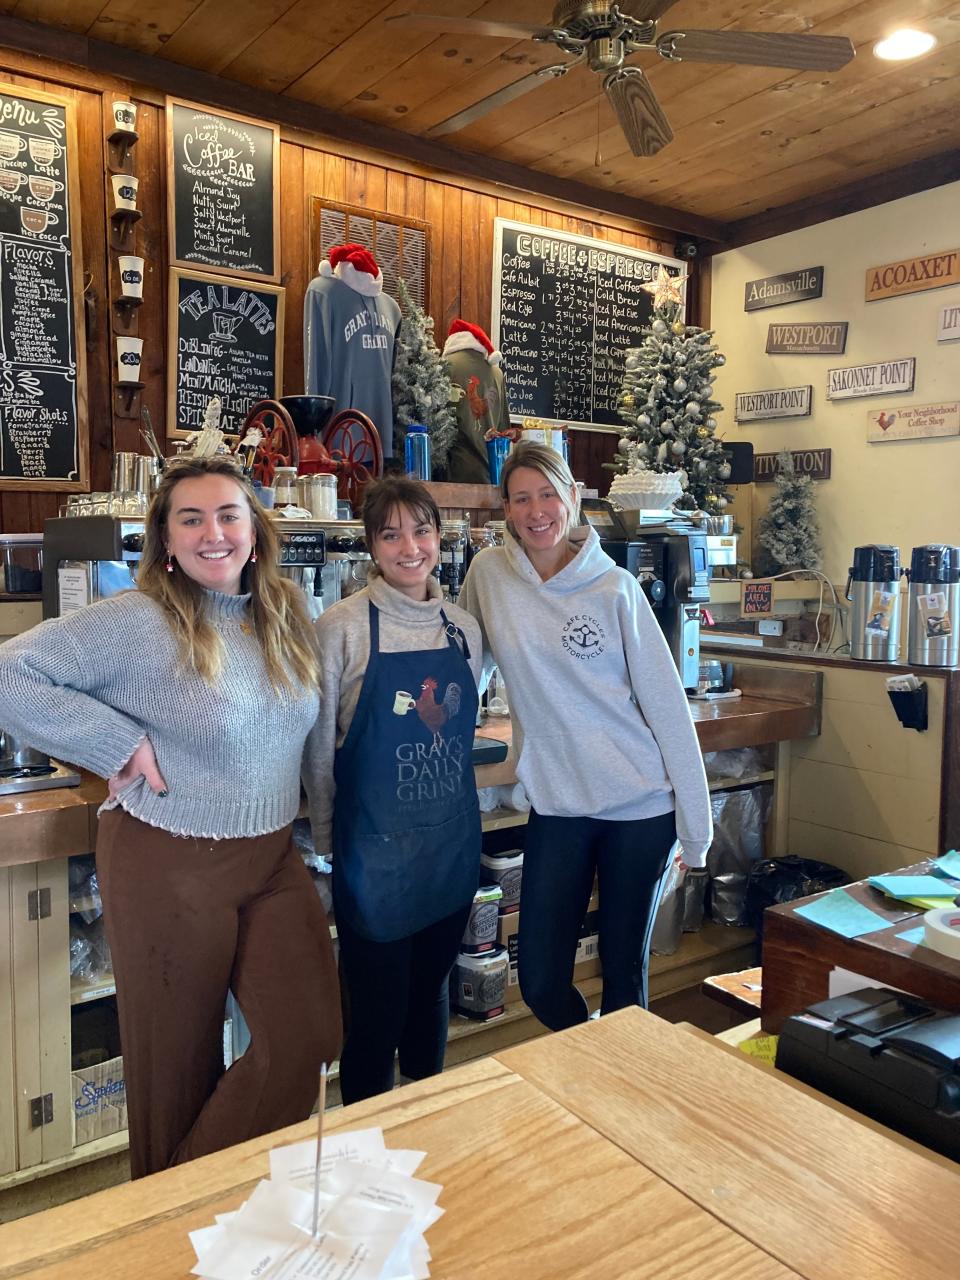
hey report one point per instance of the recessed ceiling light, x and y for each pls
(904, 44)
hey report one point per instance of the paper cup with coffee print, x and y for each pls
(131, 276)
(43, 189)
(36, 221)
(125, 117)
(125, 190)
(11, 144)
(11, 181)
(129, 355)
(44, 150)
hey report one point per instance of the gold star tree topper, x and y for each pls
(665, 288)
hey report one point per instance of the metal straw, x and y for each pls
(150, 436)
(316, 1169)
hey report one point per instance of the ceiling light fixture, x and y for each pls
(904, 44)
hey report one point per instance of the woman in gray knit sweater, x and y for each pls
(194, 696)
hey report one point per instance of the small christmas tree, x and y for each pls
(789, 531)
(422, 390)
(667, 402)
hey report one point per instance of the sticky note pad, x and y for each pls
(912, 935)
(840, 913)
(913, 886)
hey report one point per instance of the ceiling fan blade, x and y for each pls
(759, 48)
(471, 26)
(640, 115)
(519, 87)
(649, 10)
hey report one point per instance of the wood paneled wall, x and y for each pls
(461, 219)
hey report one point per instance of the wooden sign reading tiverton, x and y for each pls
(814, 463)
(914, 275)
(914, 422)
(821, 339)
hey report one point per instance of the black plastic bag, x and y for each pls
(776, 880)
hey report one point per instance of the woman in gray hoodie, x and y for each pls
(605, 743)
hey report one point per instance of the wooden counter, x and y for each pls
(625, 1148)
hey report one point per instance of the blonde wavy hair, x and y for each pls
(554, 470)
(277, 610)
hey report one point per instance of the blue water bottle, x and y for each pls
(416, 451)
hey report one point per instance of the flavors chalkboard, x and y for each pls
(42, 373)
(224, 192)
(565, 310)
(226, 340)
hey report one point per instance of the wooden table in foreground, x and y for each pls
(799, 955)
(623, 1148)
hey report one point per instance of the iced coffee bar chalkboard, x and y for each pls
(42, 387)
(223, 193)
(226, 340)
(565, 310)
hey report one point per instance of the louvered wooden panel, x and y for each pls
(400, 245)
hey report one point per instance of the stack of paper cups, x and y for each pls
(941, 931)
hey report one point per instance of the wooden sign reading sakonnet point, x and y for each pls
(914, 275)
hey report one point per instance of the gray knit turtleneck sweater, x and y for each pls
(89, 686)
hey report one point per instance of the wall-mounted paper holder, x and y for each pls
(910, 706)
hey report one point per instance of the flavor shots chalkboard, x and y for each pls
(223, 192)
(226, 340)
(42, 369)
(565, 310)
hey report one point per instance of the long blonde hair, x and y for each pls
(277, 611)
(554, 470)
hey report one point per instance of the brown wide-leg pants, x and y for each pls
(187, 921)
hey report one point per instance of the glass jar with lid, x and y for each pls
(285, 487)
(454, 538)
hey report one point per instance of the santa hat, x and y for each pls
(470, 337)
(356, 266)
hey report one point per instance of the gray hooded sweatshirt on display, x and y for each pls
(601, 722)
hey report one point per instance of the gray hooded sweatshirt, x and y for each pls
(605, 729)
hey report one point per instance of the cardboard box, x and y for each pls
(99, 1101)
(587, 964)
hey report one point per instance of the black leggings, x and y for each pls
(397, 1000)
(560, 858)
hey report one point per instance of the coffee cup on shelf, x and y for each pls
(125, 190)
(36, 221)
(44, 150)
(131, 276)
(11, 144)
(42, 188)
(125, 117)
(129, 356)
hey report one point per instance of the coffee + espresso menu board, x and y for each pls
(226, 340)
(223, 199)
(566, 308)
(42, 395)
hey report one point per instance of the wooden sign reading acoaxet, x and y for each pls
(914, 275)
(815, 339)
(814, 463)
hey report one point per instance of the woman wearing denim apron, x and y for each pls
(392, 791)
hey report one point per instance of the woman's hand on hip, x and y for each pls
(143, 763)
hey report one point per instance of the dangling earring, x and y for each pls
(253, 555)
(169, 563)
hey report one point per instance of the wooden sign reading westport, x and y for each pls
(914, 275)
(814, 463)
(815, 339)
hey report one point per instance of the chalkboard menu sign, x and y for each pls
(226, 340)
(224, 193)
(565, 310)
(42, 374)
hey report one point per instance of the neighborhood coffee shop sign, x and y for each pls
(949, 330)
(871, 379)
(914, 275)
(814, 463)
(807, 339)
(764, 406)
(915, 422)
(777, 291)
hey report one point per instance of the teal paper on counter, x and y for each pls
(840, 913)
(913, 935)
(949, 864)
(914, 886)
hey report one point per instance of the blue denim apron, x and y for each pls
(406, 825)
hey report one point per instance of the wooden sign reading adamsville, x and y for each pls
(821, 339)
(814, 463)
(777, 291)
(914, 275)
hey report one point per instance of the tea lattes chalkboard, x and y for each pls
(224, 191)
(226, 340)
(566, 308)
(42, 373)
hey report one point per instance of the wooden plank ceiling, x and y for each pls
(748, 139)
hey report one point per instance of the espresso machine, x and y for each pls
(669, 559)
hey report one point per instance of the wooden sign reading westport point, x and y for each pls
(871, 379)
(914, 422)
(814, 463)
(776, 291)
(914, 275)
(821, 339)
(765, 406)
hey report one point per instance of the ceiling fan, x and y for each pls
(597, 33)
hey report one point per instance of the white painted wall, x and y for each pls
(908, 492)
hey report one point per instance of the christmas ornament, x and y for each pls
(678, 326)
(658, 326)
(666, 288)
(680, 358)
(692, 409)
(702, 432)
(724, 471)
(643, 420)
(628, 400)
(678, 447)
(679, 385)
(667, 428)
(623, 445)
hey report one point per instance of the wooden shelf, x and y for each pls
(728, 784)
(82, 992)
(112, 1144)
(498, 819)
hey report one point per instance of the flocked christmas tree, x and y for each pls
(789, 531)
(667, 403)
(422, 390)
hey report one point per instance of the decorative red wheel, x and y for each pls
(278, 448)
(353, 443)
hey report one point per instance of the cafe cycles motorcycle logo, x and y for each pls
(583, 637)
